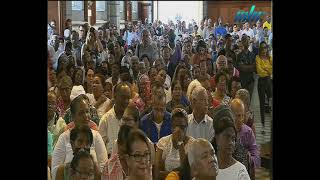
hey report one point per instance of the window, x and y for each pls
(100, 6)
(77, 5)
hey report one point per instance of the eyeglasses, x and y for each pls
(139, 157)
(90, 175)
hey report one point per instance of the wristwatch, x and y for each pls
(180, 143)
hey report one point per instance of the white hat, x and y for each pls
(76, 91)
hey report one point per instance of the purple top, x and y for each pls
(249, 141)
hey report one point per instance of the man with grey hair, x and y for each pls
(202, 159)
(200, 125)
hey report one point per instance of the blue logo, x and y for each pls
(251, 16)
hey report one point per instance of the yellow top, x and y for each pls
(173, 175)
(264, 67)
(266, 24)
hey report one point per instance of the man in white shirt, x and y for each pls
(247, 30)
(63, 152)
(129, 35)
(110, 122)
(201, 28)
(208, 30)
(200, 125)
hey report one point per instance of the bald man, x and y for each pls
(246, 136)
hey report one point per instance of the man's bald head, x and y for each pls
(237, 108)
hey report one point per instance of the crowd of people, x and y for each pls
(157, 101)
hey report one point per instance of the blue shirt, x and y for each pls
(220, 31)
(148, 126)
(184, 101)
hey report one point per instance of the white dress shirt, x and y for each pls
(204, 129)
(109, 128)
(63, 153)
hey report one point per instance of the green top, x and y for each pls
(49, 143)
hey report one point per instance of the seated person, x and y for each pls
(199, 123)
(113, 168)
(220, 95)
(81, 139)
(110, 122)
(177, 100)
(246, 144)
(55, 123)
(138, 156)
(244, 95)
(235, 85)
(76, 91)
(171, 149)
(100, 101)
(224, 143)
(82, 163)
(63, 152)
(200, 162)
(157, 123)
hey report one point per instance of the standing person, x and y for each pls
(246, 65)
(264, 70)
(145, 46)
(68, 29)
(247, 30)
(52, 28)
(82, 34)
(267, 23)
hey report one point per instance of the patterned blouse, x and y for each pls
(170, 155)
(113, 169)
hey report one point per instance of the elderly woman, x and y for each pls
(246, 145)
(171, 149)
(224, 142)
(200, 163)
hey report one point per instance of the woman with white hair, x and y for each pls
(200, 163)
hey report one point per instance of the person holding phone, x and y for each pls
(170, 153)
